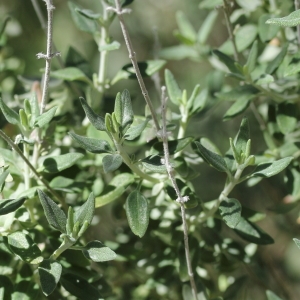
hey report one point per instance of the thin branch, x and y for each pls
(31, 167)
(297, 6)
(229, 29)
(132, 55)
(180, 199)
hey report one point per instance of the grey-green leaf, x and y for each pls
(252, 233)
(23, 246)
(265, 31)
(98, 252)
(174, 91)
(271, 169)
(230, 211)
(10, 115)
(291, 20)
(274, 64)
(137, 211)
(96, 120)
(54, 214)
(135, 131)
(252, 57)
(210, 157)
(154, 163)
(10, 205)
(45, 118)
(111, 162)
(71, 74)
(207, 26)
(61, 162)
(92, 145)
(49, 272)
(85, 211)
(123, 111)
(297, 242)
(286, 117)
(174, 146)
(272, 296)
(237, 108)
(242, 137)
(185, 27)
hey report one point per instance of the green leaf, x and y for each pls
(237, 108)
(34, 107)
(79, 287)
(264, 79)
(23, 246)
(10, 115)
(286, 117)
(49, 272)
(85, 211)
(98, 252)
(10, 205)
(135, 131)
(110, 47)
(97, 121)
(92, 145)
(111, 162)
(230, 211)
(291, 20)
(252, 57)
(292, 69)
(193, 97)
(71, 74)
(61, 162)
(244, 37)
(174, 91)
(87, 13)
(81, 21)
(297, 242)
(115, 189)
(272, 296)
(179, 52)
(3, 177)
(45, 118)
(6, 288)
(137, 211)
(274, 64)
(252, 233)
(271, 169)
(154, 163)
(228, 61)
(185, 27)
(242, 137)
(26, 290)
(266, 32)
(174, 146)
(54, 214)
(123, 111)
(207, 26)
(249, 5)
(210, 157)
(210, 3)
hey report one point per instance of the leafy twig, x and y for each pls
(180, 199)
(49, 55)
(132, 55)
(32, 168)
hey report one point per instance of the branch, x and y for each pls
(132, 55)
(297, 6)
(180, 199)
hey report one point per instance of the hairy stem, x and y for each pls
(32, 168)
(66, 244)
(229, 29)
(132, 55)
(181, 199)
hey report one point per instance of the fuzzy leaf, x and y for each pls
(79, 287)
(252, 233)
(174, 146)
(185, 27)
(123, 111)
(70, 74)
(88, 14)
(115, 189)
(154, 163)
(111, 162)
(291, 20)
(174, 91)
(210, 157)
(3, 177)
(49, 272)
(272, 296)
(135, 131)
(230, 212)
(274, 64)
(23, 246)
(271, 169)
(10, 115)
(286, 117)
(228, 61)
(237, 108)
(10, 205)
(266, 32)
(207, 26)
(61, 162)
(97, 121)
(242, 137)
(45, 118)
(85, 211)
(252, 57)
(98, 252)
(137, 211)
(92, 145)
(54, 214)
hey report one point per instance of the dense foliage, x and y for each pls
(106, 196)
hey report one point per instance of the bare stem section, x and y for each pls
(180, 199)
(49, 55)
(229, 29)
(132, 55)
